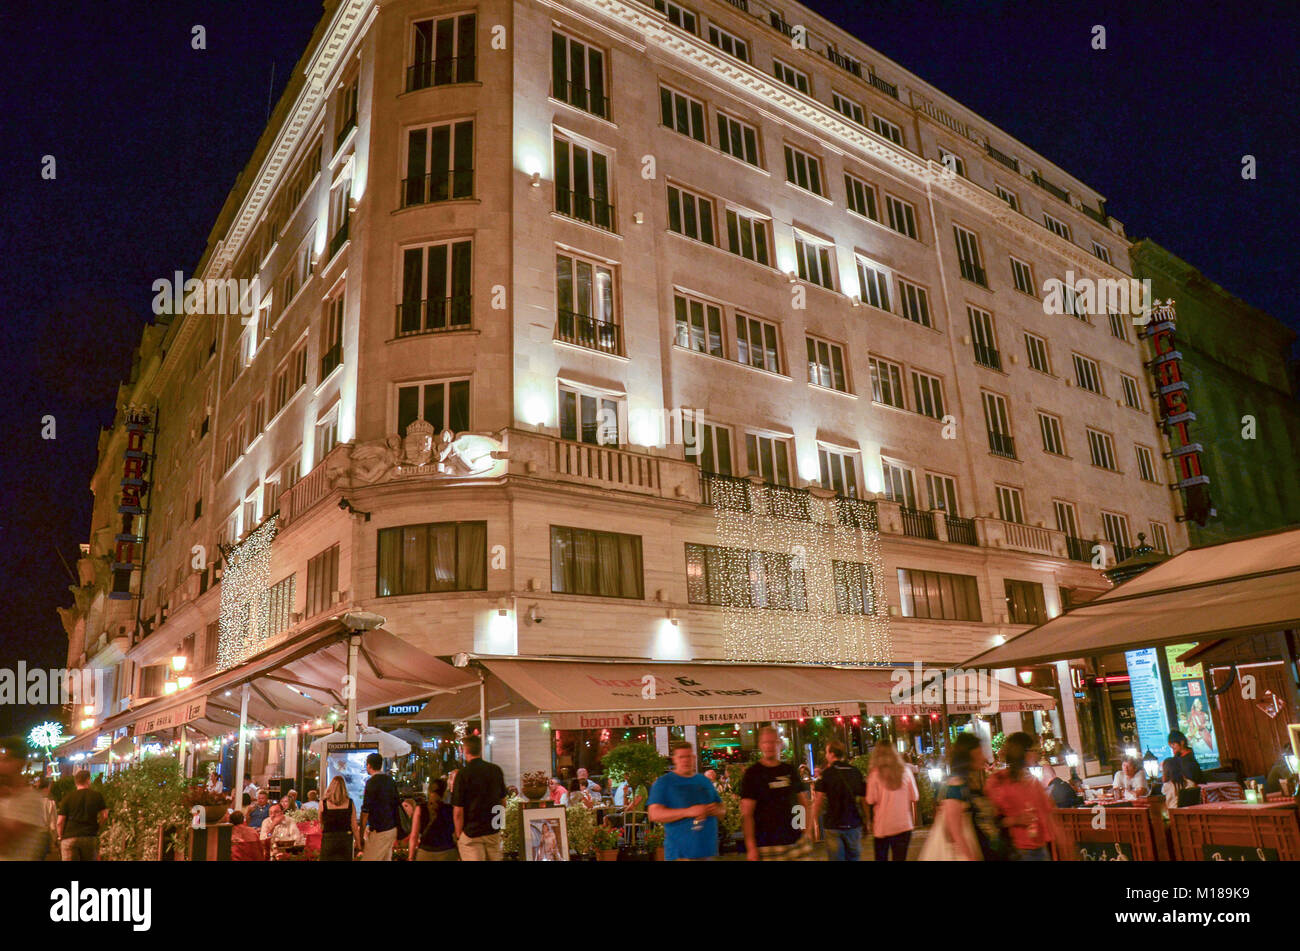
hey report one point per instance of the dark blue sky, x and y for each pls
(149, 135)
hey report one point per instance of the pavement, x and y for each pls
(868, 851)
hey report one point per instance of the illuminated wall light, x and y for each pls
(183, 682)
(537, 409)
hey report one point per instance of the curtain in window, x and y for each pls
(414, 556)
(472, 556)
(442, 557)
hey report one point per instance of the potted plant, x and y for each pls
(214, 805)
(534, 786)
(581, 822)
(143, 800)
(512, 832)
(606, 841)
(654, 840)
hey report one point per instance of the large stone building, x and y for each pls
(1235, 362)
(527, 269)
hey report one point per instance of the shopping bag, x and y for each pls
(937, 848)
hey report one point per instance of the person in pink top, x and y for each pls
(891, 790)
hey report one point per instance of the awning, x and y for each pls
(576, 694)
(1249, 586)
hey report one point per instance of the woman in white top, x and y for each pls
(1130, 781)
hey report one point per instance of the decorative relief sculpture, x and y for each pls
(419, 454)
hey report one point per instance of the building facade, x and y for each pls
(1235, 361)
(603, 328)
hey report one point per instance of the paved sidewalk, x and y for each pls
(868, 853)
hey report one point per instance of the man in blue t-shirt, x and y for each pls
(688, 806)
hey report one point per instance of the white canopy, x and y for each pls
(389, 745)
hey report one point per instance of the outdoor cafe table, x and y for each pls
(1236, 831)
(1223, 792)
(1131, 829)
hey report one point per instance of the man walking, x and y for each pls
(23, 835)
(840, 794)
(478, 805)
(80, 814)
(774, 806)
(379, 805)
(689, 808)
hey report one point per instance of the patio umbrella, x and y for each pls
(411, 736)
(389, 745)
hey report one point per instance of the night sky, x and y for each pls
(149, 135)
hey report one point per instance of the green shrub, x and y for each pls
(639, 763)
(512, 833)
(582, 828)
(862, 764)
(731, 821)
(142, 797)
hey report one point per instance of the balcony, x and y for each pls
(440, 72)
(1007, 160)
(857, 513)
(846, 63)
(1051, 189)
(340, 238)
(987, 356)
(918, 524)
(584, 208)
(787, 502)
(961, 531)
(779, 24)
(308, 491)
(1122, 552)
(889, 89)
(725, 491)
(1025, 537)
(1001, 444)
(437, 186)
(584, 98)
(583, 330)
(416, 317)
(1096, 215)
(1078, 549)
(740, 4)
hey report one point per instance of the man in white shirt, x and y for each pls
(282, 831)
(1130, 782)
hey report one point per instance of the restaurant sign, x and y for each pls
(171, 717)
(128, 543)
(1237, 853)
(1105, 851)
(1176, 413)
(700, 717)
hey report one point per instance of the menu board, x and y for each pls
(1192, 706)
(349, 761)
(1148, 690)
(1125, 723)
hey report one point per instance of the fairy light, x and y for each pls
(813, 533)
(245, 608)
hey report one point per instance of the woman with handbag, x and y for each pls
(966, 828)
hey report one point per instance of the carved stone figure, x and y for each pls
(418, 444)
(374, 461)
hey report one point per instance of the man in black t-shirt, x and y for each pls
(774, 806)
(80, 814)
(479, 803)
(840, 793)
(379, 805)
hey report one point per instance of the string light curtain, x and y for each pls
(816, 593)
(245, 604)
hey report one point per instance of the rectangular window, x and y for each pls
(928, 394)
(1008, 196)
(915, 302)
(578, 75)
(1074, 303)
(1115, 527)
(861, 196)
(582, 184)
(678, 15)
(937, 595)
(886, 129)
(211, 638)
(1131, 398)
(738, 577)
(1146, 464)
(738, 139)
(747, 236)
(589, 418)
(826, 365)
(1056, 226)
(902, 216)
(1066, 519)
(1023, 277)
(699, 325)
(690, 215)
(790, 76)
(968, 256)
(600, 564)
(1011, 504)
(439, 163)
(887, 383)
(729, 43)
(1087, 374)
(1051, 429)
(803, 170)
(952, 161)
(1118, 327)
(443, 405)
(899, 484)
(279, 605)
(442, 52)
(941, 491)
(838, 472)
(436, 288)
(1036, 350)
(291, 377)
(347, 114)
(1159, 538)
(998, 424)
(442, 556)
(331, 347)
(1025, 604)
(855, 589)
(768, 458)
(584, 292)
(814, 259)
(873, 283)
(1101, 251)
(322, 581)
(983, 339)
(848, 108)
(327, 435)
(271, 495)
(340, 215)
(756, 343)
(709, 443)
(1102, 450)
(682, 113)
